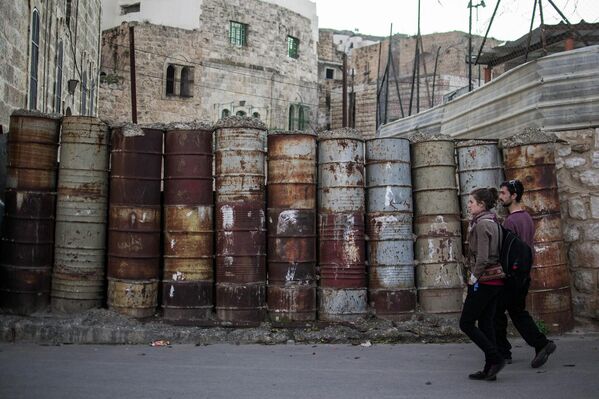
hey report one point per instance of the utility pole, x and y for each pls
(389, 60)
(418, 64)
(344, 93)
(132, 75)
(471, 6)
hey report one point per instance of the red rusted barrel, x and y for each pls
(26, 251)
(32, 149)
(530, 158)
(134, 220)
(240, 220)
(78, 277)
(26, 247)
(341, 205)
(188, 277)
(291, 221)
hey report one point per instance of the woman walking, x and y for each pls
(485, 280)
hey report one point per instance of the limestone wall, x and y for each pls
(80, 42)
(257, 78)
(577, 162)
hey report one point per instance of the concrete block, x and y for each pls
(591, 231)
(574, 162)
(585, 281)
(584, 255)
(577, 209)
(595, 207)
(563, 150)
(571, 233)
(590, 178)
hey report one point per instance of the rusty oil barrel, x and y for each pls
(438, 248)
(341, 225)
(81, 208)
(134, 220)
(532, 161)
(389, 216)
(27, 243)
(32, 148)
(26, 250)
(480, 165)
(291, 225)
(240, 220)
(188, 277)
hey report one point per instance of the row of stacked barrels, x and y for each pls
(294, 247)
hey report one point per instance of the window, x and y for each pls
(291, 117)
(256, 115)
(130, 8)
(292, 47)
(186, 82)
(225, 113)
(170, 80)
(92, 91)
(68, 13)
(240, 113)
(35, 49)
(238, 34)
(301, 120)
(83, 110)
(58, 84)
(330, 73)
(298, 117)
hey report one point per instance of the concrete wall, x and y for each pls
(577, 162)
(259, 77)
(80, 52)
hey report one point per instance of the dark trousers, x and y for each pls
(514, 301)
(479, 306)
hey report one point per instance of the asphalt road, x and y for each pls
(293, 371)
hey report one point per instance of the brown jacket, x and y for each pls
(483, 244)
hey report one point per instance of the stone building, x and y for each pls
(366, 64)
(51, 56)
(215, 58)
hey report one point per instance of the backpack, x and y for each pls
(515, 257)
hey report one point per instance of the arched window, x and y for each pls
(68, 13)
(35, 50)
(170, 80)
(291, 117)
(186, 82)
(83, 110)
(225, 113)
(92, 91)
(58, 83)
(256, 115)
(301, 119)
(240, 113)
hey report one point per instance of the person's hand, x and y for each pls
(473, 280)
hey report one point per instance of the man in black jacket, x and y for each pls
(514, 299)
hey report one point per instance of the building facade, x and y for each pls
(51, 52)
(218, 58)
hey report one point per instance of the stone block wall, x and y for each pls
(577, 162)
(80, 41)
(258, 78)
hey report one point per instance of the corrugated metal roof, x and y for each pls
(557, 92)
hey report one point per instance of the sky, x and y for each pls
(373, 17)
